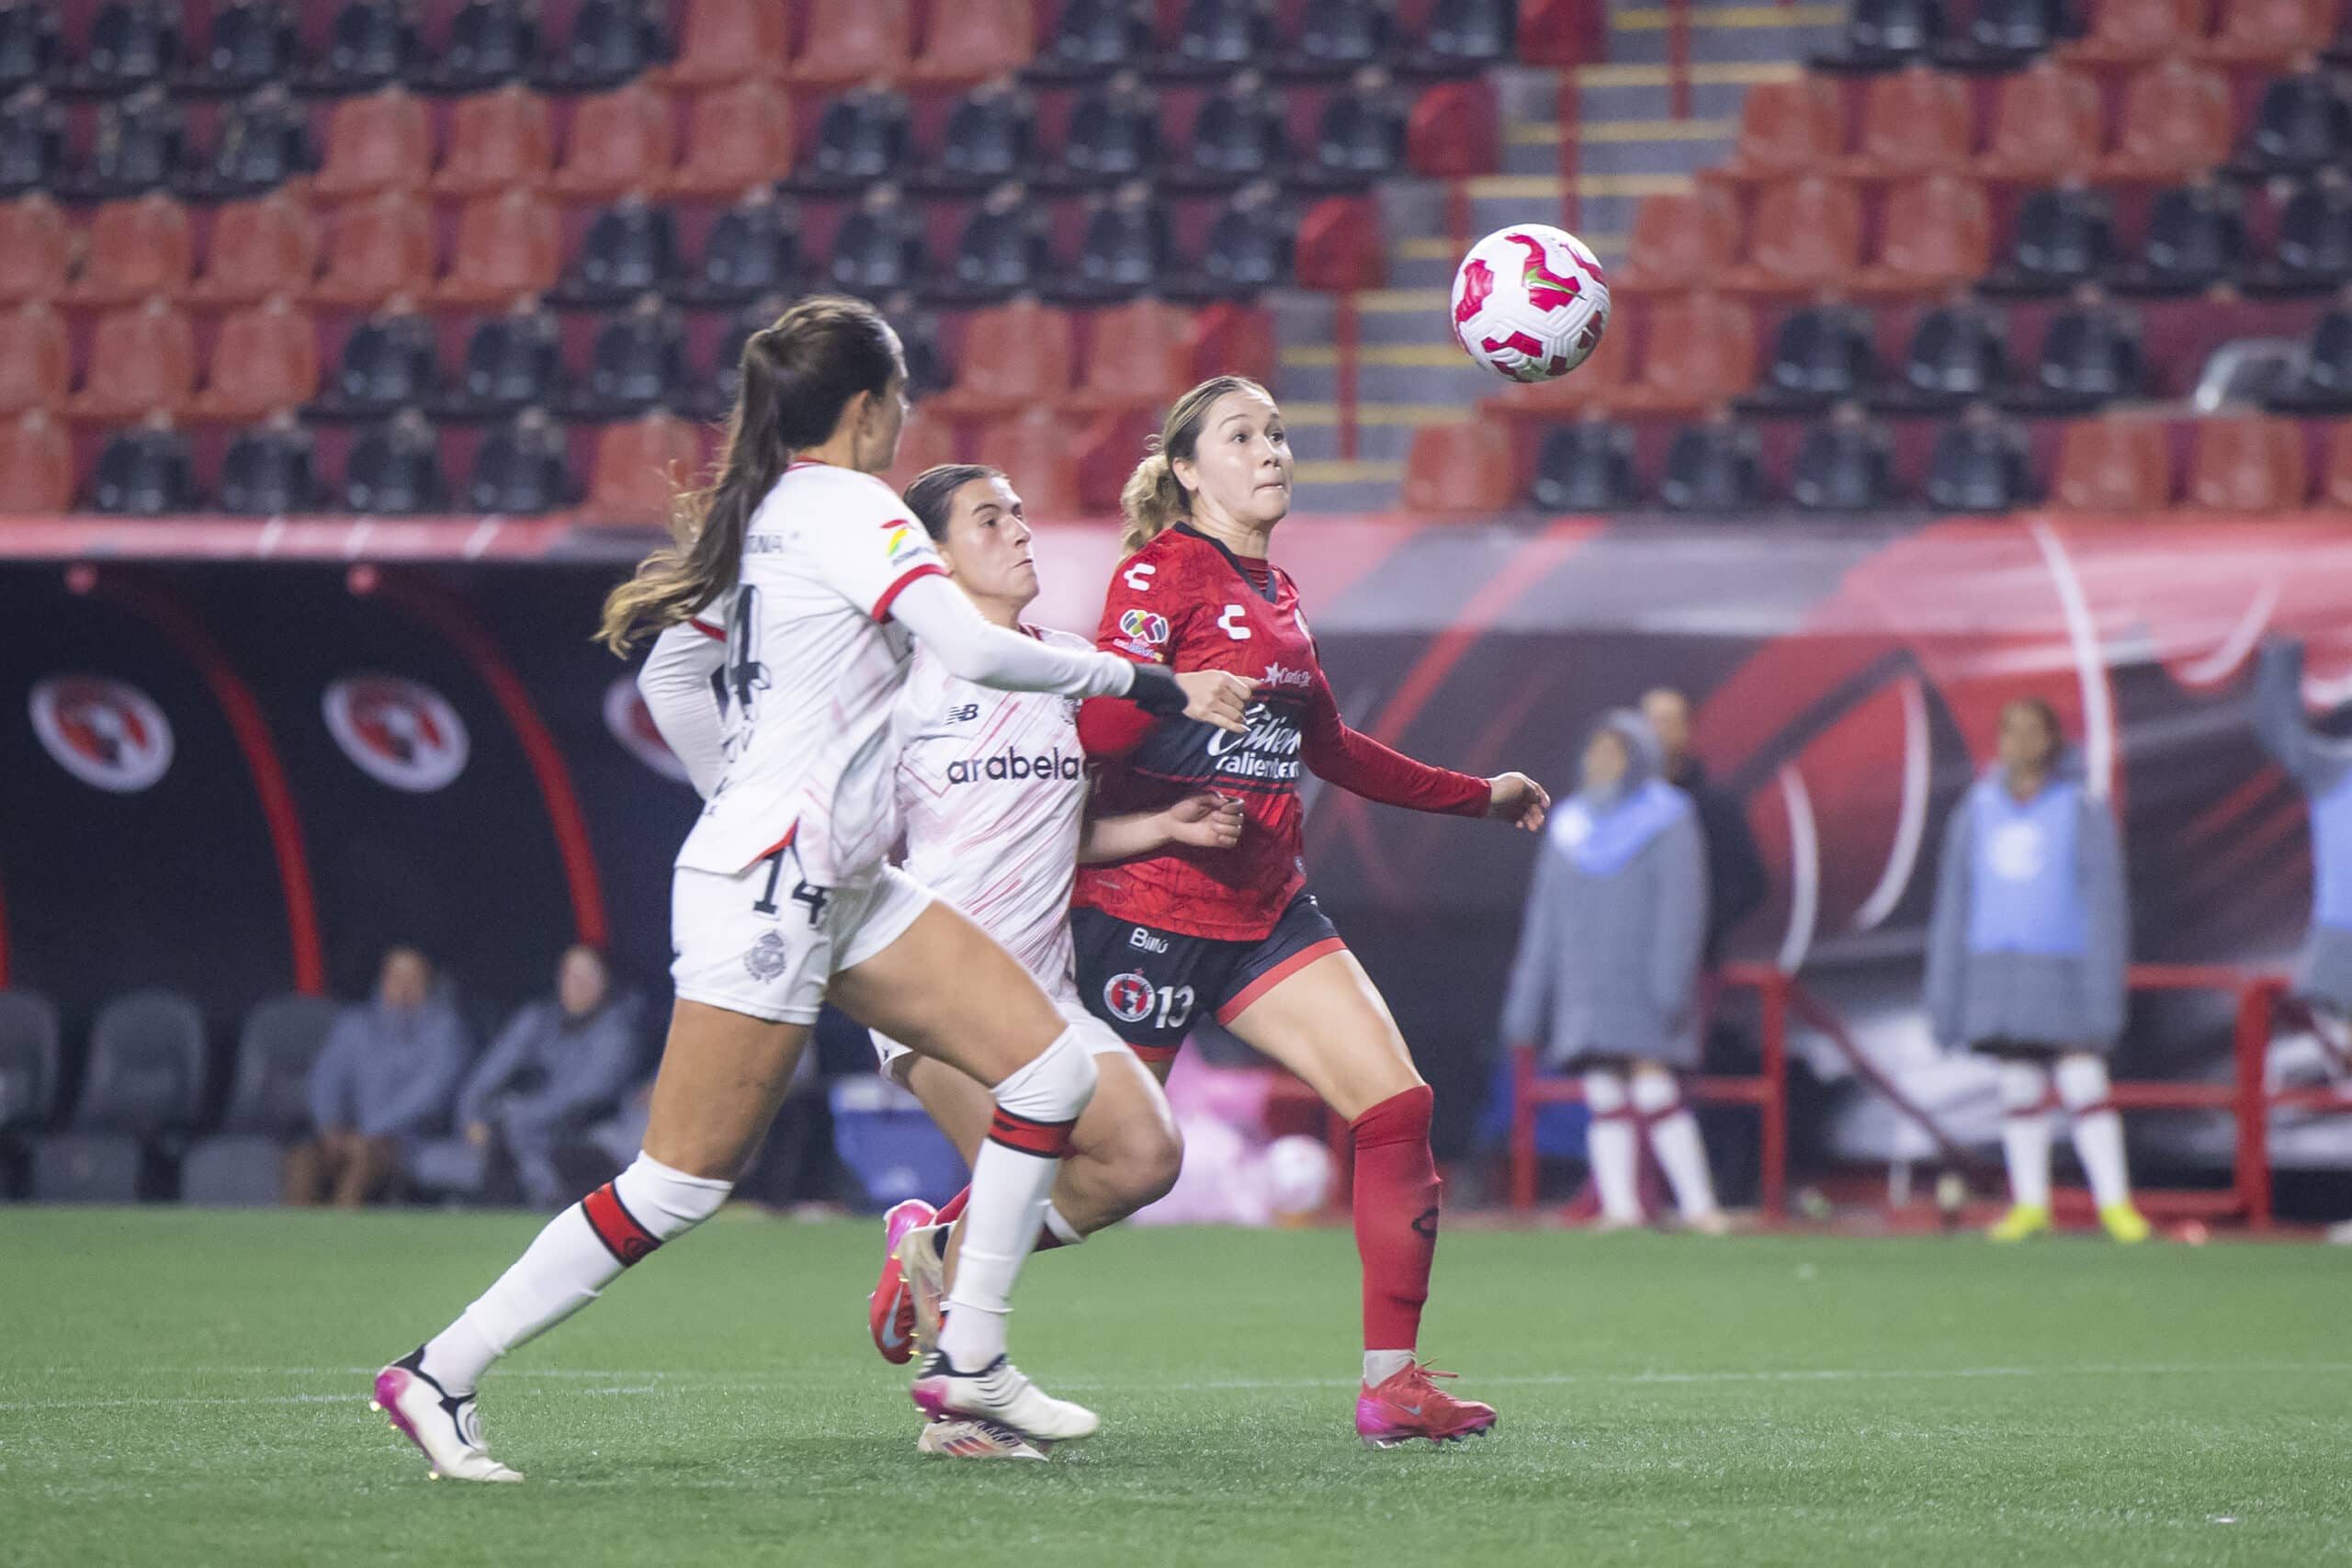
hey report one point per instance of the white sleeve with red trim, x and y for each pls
(869, 548)
(676, 685)
(969, 648)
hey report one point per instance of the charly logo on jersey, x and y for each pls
(1142, 634)
(1230, 625)
(398, 732)
(631, 722)
(108, 733)
(1129, 997)
(1012, 767)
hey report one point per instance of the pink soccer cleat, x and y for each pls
(891, 1310)
(1408, 1406)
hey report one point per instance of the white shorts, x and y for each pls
(1093, 1033)
(764, 945)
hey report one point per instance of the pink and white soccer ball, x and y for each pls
(1529, 302)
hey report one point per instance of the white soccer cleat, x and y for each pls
(925, 1274)
(959, 1438)
(446, 1431)
(999, 1393)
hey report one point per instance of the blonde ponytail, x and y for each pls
(1154, 499)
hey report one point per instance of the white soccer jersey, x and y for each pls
(814, 671)
(992, 795)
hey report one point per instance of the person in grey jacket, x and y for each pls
(560, 1063)
(2321, 767)
(1607, 973)
(2027, 951)
(388, 1074)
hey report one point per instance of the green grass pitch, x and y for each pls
(189, 1388)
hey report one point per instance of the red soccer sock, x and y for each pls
(950, 1211)
(1396, 1215)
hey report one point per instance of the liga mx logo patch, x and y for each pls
(108, 733)
(1143, 634)
(398, 732)
(1129, 997)
(631, 722)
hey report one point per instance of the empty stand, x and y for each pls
(36, 248)
(266, 359)
(1788, 128)
(508, 245)
(736, 137)
(1807, 234)
(1679, 242)
(640, 466)
(2174, 123)
(36, 464)
(267, 246)
(376, 249)
(1699, 349)
(380, 141)
(854, 40)
(1914, 121)
(1935, 234)
(620, 141)
(2248, 463)
(36, 358)
(142, 358)
(731, 41)
(2115, 463)
(134, 249)
(497, 140)
(2045, 127)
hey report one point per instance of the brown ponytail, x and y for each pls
(799, 374)
(1155, 500)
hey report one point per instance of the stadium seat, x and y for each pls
(142, 358)
(2090, 357)
(1249, 247)
(29, 46)
(2303, 123)
(36, 358)
(971, 39)
(1788, 128)
(1113, 134)
(1467, 36)
(141, 146)
(2248, 463)
(2324, 383)
(267, 245)
(1460, 469)
(1341, 245)
(267, 358)
(1221, 36)
(262, 142)
(854, 41)
(270, 471)
(30, 1068)
(725, 41)
(513, 361)
(1034, 447)
(2175, 124)
(717, 397)
(1452, 131)
(1714, 466)
(2045, 127)
(1935, 233)
(1138, 355)
(508, 245)
(497, 140)
(1957, 356)
(1005, 249)
(490, 42)
(2131, 32)
(1361, 137)
(609, 42)
(395, 470)
(1239, 135)
(630, 248)
(926, 443)
(991, 137)
(1980, 464)
(521, 470)
(1807, 235)
(386, 364)
(1012, 356)
(638, 364)
(380, 141)
(2268, 32)
(2196, 239)
(36, 244)
(753, 250)
(879, 248)
(1820, 355)
(369, 43)
(130, 45)
(2314, 253)
(1586, 467)
(246, 45)
(2113, 463)
(2336, 485)
(32, 144)
(1127, 248)
(1700, 349)
(736, 138)
(145, 470)
(2062, 238)
(1845, 465)
(2002, 35)
(144, 1079)
(864, 136)
(1882, 34)
(136, 248)
(1095, 37)
(36, 464)
(640, 466)
(619, 140)
(1914, 121)
(1335, 37)
(377, 248)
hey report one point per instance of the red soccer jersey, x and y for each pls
(1184, 600)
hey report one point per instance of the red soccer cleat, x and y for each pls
(1408, 1406)
(891, 1310)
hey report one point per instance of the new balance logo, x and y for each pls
(964, 714)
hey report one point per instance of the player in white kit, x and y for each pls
(783, 896)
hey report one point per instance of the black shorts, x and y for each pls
(1148, 985)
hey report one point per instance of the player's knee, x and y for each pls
(2025, 1086)
(659, 1200)
(2082, 1081)
(1145, 1161)
(1054, 1085)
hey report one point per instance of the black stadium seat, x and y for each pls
(1880, 35)
(32, 143)
(142, 1085)
(1128, 249)
(1249, 247)
(864, 136)
(1093, 37)
(751, 250)
(268, 1105)
(611, 41)
(632, 247)
(1361, 137)
(2325, 384)
(1006, 248)
(1113, 135)
(145, 472)
(141, 146)
(1820, 353)
(879, 248)
(269, 472)
(370, 43)
(1956, 355)
(249, 42)
(1237, 136)
(491, 41)
(1468, 36)
(1336, 36)
(639, 362)
(2090, 357)
(29, 49)
(2196, 239)
(2303, 123)
(1586, 467)
(132, 43)
(386, 364)
(1980, 464)
(513, 361)
(264, 140)
(1845, 465)
(1222, 36)
(991, 137)
(395, 468)
(2314, 254)
(1713, 467)
(2003, 34)
(522, 468)
(2062, 238)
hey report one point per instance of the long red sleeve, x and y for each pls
(1361, 765)
(1112, 727)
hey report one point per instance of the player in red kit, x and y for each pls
(1170, 936)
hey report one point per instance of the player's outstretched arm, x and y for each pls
(1198, 821)
(1361, 765)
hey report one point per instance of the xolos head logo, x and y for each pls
(108, 734)
(1129, 997)
(397, 732)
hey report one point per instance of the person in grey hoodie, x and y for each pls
(2027, 951)
(387, 1074)
(1607, 974)
(560, 1063)
(2321, 766)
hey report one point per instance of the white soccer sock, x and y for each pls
(2025, 1132)
(2084, 1090)
(1610, 1146)
(581, 1251)
(1057, 1225)
(1379, 1366)
(1035, 1109)
(1674, 1134)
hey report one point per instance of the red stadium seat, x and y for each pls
(136, 248)
(1454, 131)
(1596, 383)
(1138, 356)
(36, 358)
(265, 246)
(377, 248)
(640, 466)
(36, 248)
(2113, 463)
(853, 41)
(497, 140)
(1461, 470)
(1341, 245)
(1787, 128)
(2335, 485)
(968, 41)
(736, 137)
(2175, 124)
(1013, 356)
(1936, 233)
(35, 465)
(731, 41)
(1034, 449)
(1807, 235)
(142, 359)
(929, 441)
(2046, 127)
(1679, 242)
(2128, 32)
(1914, 121)
(508, 245)
(1699, 349)
(2268, 32)
(620, 142)
(383, 140)
(266, 359)
(2248, 463)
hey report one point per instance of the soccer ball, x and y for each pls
(1529, 302)
(1298, 1176)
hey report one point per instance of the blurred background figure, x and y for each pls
(561, 1064)
(2026, 958)
(1736, 880)
(387, 1074)
(2321, 766)
(1607, 974)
